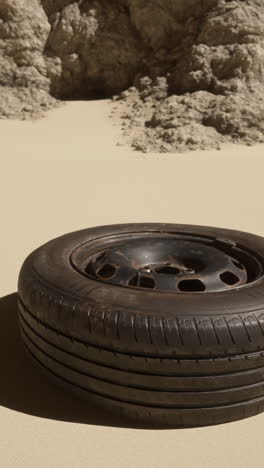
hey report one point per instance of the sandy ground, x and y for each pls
(64, 173)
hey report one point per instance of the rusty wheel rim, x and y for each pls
(168, 262)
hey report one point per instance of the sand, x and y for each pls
(64, 173)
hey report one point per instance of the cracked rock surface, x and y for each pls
(185, 74)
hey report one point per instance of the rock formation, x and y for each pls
(185, 74)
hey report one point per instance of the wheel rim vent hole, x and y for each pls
(107, 271)
(191, 285)
(167, 270)
(142, 282)
(229, 278)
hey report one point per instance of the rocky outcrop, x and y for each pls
(24, 84)
(203, 63)
(212, 94)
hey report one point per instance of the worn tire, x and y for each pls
(165, 359)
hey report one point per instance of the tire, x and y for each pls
(188, 359)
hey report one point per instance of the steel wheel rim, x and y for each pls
(168, 262)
